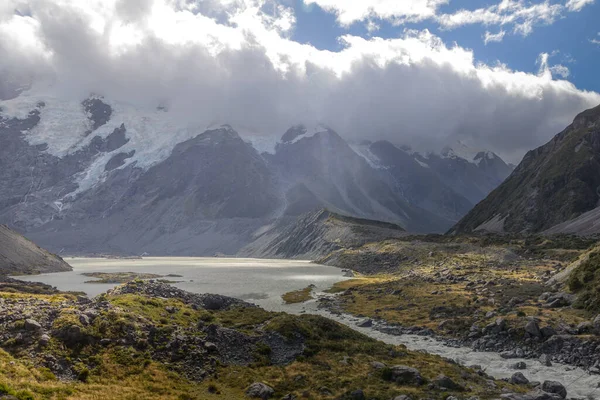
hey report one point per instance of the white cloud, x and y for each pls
(398, 11)
(234, 63)
(493, 37)
(551, 70)
(577, 5)
(596, 41)
(519, 15)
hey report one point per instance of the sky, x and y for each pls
(504, 75)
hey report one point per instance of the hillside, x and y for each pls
(149, 340)
(554, 183)
(19, 255)
(318, 233)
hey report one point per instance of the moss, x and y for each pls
(298, 296)
(585, 281)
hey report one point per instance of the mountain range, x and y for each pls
(104, 177)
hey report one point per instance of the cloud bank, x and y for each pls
(233, 61)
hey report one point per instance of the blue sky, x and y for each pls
(571, 40)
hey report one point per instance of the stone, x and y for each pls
(32, 325)
(402, 397)
(367, 323)
(518, 379)
(378, 365)
(554, 387)
(519, 365)
(357, 395)
(404, 375)
(259, 390)
(533, 328)
(442, 381)
(585, 327)
(545, 360)
(547, 332)
(44, 340)
(84, 319)
(211, 347)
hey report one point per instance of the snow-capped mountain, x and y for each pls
(101, 176)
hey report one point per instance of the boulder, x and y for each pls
(32, 325)
(545, 360)
(402, 397)
(533, 329)
(367, 323)
(554, 387)
(259, 390)
(518, 379)
(519, 365)
(442, 381)
(404, 375)
(377, 365)
(357, 395)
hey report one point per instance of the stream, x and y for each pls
(262, 282)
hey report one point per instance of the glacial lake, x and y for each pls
(262, 282)
(257, 281)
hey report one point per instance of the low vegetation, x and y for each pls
(152, 341)
(298, 296)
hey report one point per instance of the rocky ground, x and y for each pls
(487, 295)
(149, 340)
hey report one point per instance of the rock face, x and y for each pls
(318, 233)
(553, 186)
(101, 177)
(18, 255)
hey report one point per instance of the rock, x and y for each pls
(378, 365)
(259, 390)
(83, 300)
(596, 323)
(367, 323)
(105, 342)
(402, 397)
(554, 387)
(404, 375)
(211, 347)
(547, 332)
(585, 327)
(32, 325)
(508, 354)
(518, 379)
(519, 365)
(357, 395)
(84, 319)
(289, 397)
(545, 360)
(533, 329)
(442, 381)
(44, 340)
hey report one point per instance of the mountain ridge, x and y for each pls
(555, 183)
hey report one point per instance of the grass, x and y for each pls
(334, 357)
(585, 281)
(298, 296)
(118, 277)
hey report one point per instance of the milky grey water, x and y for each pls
(261, 282)
(264, 281)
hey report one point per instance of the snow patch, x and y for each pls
(365, 152)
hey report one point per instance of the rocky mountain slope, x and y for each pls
(100, 176)
(553, 186)
(318, 233)
(21, 256)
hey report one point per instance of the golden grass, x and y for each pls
(298, 296)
